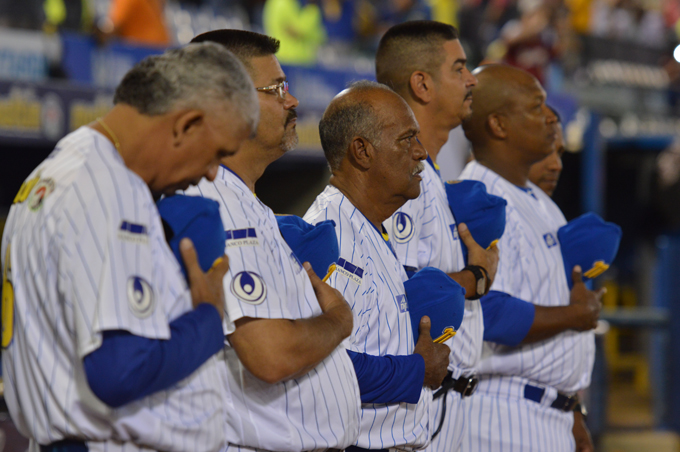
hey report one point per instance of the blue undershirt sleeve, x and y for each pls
(507, 319)
(389, 378)
(410, 271)
(128, 367)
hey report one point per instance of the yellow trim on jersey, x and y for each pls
(25, 190)
(599, 267)
(448, 334)
(7, 301)
(492, 244)
(385, 236)
(435, 165)
(331, 269)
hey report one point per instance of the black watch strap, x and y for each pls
(481, 280)
(581, 408)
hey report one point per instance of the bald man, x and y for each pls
(546, 173)
(368, 134)
(526, 398)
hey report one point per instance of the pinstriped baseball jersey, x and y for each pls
(531, 268)
(84, 252)
(265, 280)
(424, 235)
(371, 279)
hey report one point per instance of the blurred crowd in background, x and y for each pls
(531, 34)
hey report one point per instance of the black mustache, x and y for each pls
(292, 114)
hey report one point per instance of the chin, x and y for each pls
(289, 142)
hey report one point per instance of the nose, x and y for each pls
(419, 152)
(471, 80)
(211, 174)
(291, 101)
(551, 118)
(554, 162)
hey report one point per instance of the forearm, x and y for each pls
(275, 350)
(467, 281)
(550, 321)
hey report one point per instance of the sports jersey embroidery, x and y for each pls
(133, 232)
(242, 237)
(403, 230)
(350, 270)
(140, 297)
(249, 287)
(550, 239)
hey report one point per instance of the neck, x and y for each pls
(132, 130)
(369, 200)
(505, 163)
(434, 128)
(251, 161)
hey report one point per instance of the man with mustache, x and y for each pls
(527, 391)
(368, 134)
(290, 383)
(424, 62)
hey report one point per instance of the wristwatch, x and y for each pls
(581, 408)
(482, 279)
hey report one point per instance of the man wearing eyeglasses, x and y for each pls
(290, 383)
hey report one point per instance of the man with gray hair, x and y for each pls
(105, 347)
(368, 134)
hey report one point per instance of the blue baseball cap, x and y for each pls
(590, 242)
(433, 293)
(316, 244)
(198, 219)
(483, 213)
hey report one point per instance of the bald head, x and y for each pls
(362, 110)
(499, 89)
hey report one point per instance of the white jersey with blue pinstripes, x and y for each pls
(530, 268)
(319, 410)
(87, 254)
(424, 234)
(433, 241)
(371, 279)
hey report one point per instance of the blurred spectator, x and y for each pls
(298, 25)
(338, 20)
(73, 15)
(628, 20)
(136, 21)
(26, 14)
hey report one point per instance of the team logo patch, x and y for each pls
(249, 287)
(41, 191)
(550, 239)
(140, 297)
(403, 303)
(349, 270)
(454, 231)
(133, 232)
(403, 227)
(242, 237)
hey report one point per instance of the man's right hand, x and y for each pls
(478, 255)
(436, 356)
(585, 303)
(205, 287)
(331, 302)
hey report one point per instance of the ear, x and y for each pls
(361, 152)
(497, 126)
(187, 123)
(421, 85)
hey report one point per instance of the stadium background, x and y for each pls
(609, 69)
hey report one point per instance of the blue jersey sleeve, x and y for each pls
(128, 367)
(507, 319)
(389, 378)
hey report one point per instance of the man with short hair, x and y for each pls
(425, 63)
(291, 384)
(546, 173)
(527, 390)
(368, 134)
(104, 345)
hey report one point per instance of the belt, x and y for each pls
(466, 386)
(65, 445)
(562, 402)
